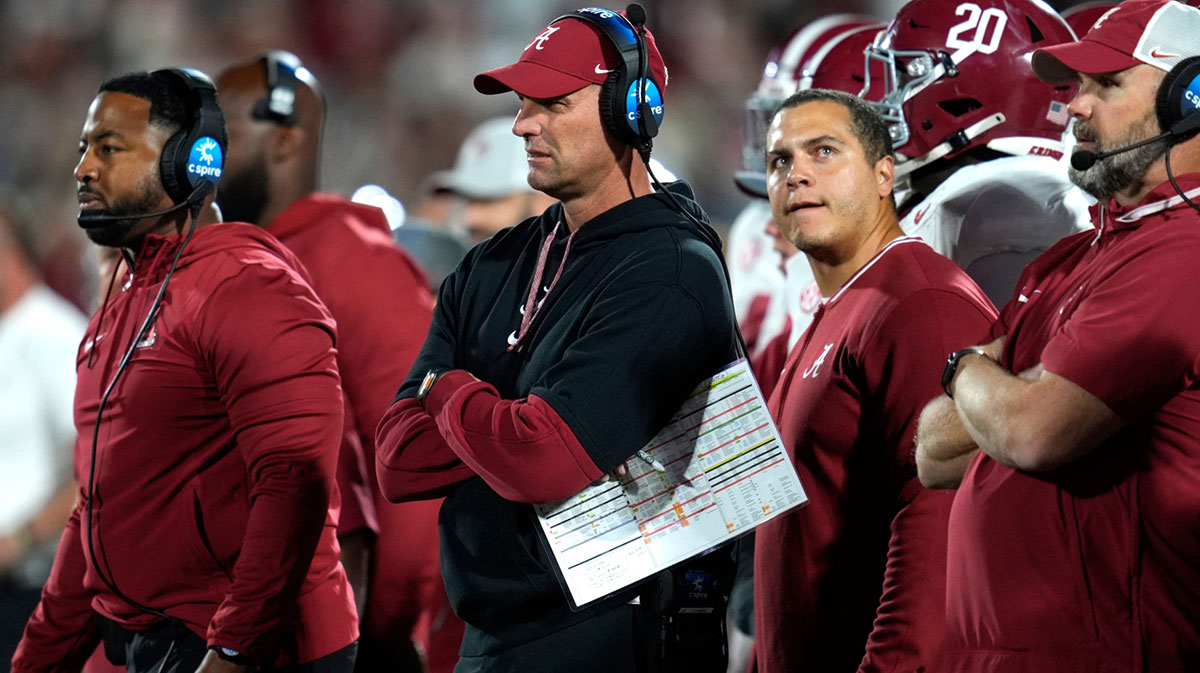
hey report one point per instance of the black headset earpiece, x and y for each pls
(279, 105)
(1178, 100)
(609, 114)
(195, 154)
(630, 117)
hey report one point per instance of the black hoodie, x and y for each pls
(640, 315)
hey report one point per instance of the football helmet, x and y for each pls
(781, 78)
(957, 75)
(838, 64)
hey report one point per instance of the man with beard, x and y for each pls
(1074, 534)
(208, 407)
(382, 306)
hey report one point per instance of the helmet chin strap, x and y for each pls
(955, 142)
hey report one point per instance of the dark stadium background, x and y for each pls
(397, 75)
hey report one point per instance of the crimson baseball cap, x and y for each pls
(1160, 33)
(565, 57)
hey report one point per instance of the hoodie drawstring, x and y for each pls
(531, 304)
(112, 279)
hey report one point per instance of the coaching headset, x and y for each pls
(192, 159)
(279, 105)
(631, 104)
(1175, 105)
(1178, 100)
(195, 155)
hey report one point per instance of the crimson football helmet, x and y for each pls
(838, 63)
(781, 78)
(957, 75)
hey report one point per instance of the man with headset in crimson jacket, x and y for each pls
(208, 409)
(558, 349)
(378, 296)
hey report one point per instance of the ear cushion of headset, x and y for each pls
(1169, 105)
(611, 109)
(171, 166)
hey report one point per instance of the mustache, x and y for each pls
(1084, 132)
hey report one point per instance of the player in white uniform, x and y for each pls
(993, 218)
(756, 276)
(979, 136)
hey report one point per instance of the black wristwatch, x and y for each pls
(952, 365)
(431, 377)
(231, 655)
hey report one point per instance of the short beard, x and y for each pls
(144, 200)
(1120, 172)
(243, 195)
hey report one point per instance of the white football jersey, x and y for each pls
(991, 218)
(803, 297)
(756, 270)
(994, 217)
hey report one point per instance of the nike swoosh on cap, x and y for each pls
(1157, 54)
(601, 71)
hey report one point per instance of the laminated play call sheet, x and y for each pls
(714, 472)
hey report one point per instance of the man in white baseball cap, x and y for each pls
(490, 173)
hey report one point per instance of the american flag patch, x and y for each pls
(1058, 113)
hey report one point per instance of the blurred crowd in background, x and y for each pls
(397, 75)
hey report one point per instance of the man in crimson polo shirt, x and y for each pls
(379, 299)
(854, 580)
(1075, 533)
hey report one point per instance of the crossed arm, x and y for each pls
(1035, 421)
(465, 428)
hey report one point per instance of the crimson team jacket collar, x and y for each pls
(1163, 201)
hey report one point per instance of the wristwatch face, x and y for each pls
(949, 369)
(426, 385)
(231, 655)
(952, 366)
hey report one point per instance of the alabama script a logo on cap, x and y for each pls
(540, 40)
(1104, 17)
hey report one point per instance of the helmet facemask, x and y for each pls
(957, 76)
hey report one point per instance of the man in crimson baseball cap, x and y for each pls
(560, 347)
(1089, 473)
(568, 55)
(1127, 53)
